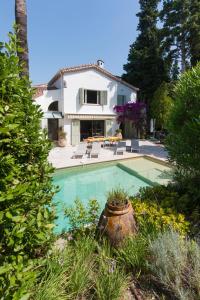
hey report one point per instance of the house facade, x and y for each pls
(80, 100)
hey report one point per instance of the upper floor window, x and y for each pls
(91, 97)
(121, 99)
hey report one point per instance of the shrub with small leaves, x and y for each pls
(26, 188)
(83, 218)
(176, 263)
(153, 215)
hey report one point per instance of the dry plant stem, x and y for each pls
(136, 292)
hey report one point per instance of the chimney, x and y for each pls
(100, 63)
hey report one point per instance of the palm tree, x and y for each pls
(21, 22)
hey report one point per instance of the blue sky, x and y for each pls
(71, 32)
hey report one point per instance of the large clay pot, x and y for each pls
(117, 223)
(62, 142)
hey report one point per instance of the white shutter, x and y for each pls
(103, 97)
(81, 96)
(75, 132)
(108, 127)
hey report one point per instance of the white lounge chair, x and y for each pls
(135, 145)
(96, 148)
(120, 148)
(80, 151)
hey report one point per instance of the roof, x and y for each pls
(88, 67)
(40, 88)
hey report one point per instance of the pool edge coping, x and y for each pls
(154, 159)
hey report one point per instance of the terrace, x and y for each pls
(62, 157)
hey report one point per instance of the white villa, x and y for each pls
(80, 100)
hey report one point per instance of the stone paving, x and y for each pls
(61, 157)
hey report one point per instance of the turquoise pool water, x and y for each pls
(90, 182)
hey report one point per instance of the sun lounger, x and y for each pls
(96, 148)
(120, 148)
(135, 146)
(80, 151)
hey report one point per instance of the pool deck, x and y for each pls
(61, 157)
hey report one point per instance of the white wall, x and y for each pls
(68, 98)
(92, 79)
(48, 97)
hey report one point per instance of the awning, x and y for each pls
(90, 117)
(52, 115)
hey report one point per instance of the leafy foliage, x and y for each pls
(25, 179)
(183, 143)
(174, 15)
(194, 31)
(81, 216)
(154, 216)
(161, 106)
(145, 67)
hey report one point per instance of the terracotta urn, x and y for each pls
(62, 142)
(116, 223)
(119, 135)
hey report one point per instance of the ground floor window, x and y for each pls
(91, 128)
(53, 129)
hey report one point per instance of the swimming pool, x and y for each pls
(95, 181)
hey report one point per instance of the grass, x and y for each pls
(133, 254)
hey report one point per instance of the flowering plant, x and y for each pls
(132, 111)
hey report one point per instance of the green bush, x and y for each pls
(161, 105)
(176, 264)
(25, 180)
(83, 218)
(183, 197)
(151, 216)
(183, 142)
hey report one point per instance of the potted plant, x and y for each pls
(62, 141)
(118, 133)
(117, 219)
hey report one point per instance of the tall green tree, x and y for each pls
(145, 67)
(194, 31)
(21, 22)
(183, 142)
(175, 17)
(26, 188)
(161, 106)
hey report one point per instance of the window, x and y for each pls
(91, 97)
(121, 99)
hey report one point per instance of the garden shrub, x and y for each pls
(183, 142)
(81, 216)
(176, 264)
(152, 215)
(26, 188)
(182, 196)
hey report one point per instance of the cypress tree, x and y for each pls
(175, 17)
(145, 67)
(194, 31)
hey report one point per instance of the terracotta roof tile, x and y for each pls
(87, 67)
